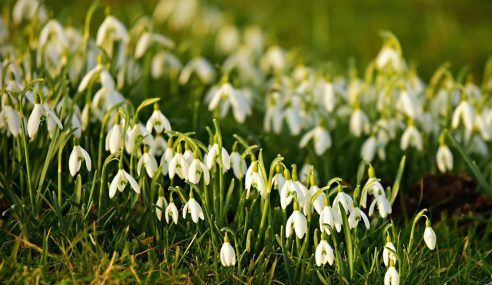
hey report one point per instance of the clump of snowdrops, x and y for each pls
(85, 142)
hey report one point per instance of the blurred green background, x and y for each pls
(431, 32)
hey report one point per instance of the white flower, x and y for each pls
(389, 57)
(226, 96)
(158, 122)
(318, 201)
(192, 207)
(329, 218)
(411, 136)
(12, 118)
(227, 254)
(147, 39)
(171, 212)
(201, 67)
(195, 171)
(78, 155)
(429, 236)
(368, 150)
(321, 138)
(389, 253)
(297, 222)
(188, 154)
(324, 254)
(39, 111)
(345, 200)
(161, 205)
(355, 216)
(138, 131)
(287, 192)
(238, 164)
(213, 156)
(278, 180)
(444, 159)
(114, 138)
(254, 178)
(90, 76)
(391, 277)
(359, 123)
(383, 204)
(466, 113)
(110, 31)
(158, 145)
(407, 104)
(149, 162)
(274, 60)
(120, 181)
(178, 165)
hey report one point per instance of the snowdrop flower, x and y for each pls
(114, 140)
(157, 145)
(407, 104)
(391, 277)
(213, 157)
(274, 115)
(411, 136)
(324, 254)
(110, 31)
(178, 165)
(238, 164)
(39, 111)
(147, 39)
(429, 236)
(196, 169)
(329, 218)
(91, 75)
(167, 157)
(171, 212)
(278, 179)
(293, 116)
(158, 121)
(28, 10)
(355, 216)
(227, 253)
(136, 133)
(444, 157)
(389, 252)
(389, 57)
(274, 60)
(228, 38)
(383, 205)
(227, 96)
(12, 118)
(161, 204)
(326, 95)
(165, 62)
(188, 154)
(192, 207)
(179, 14)
(359, 123)
(199, 66)
(343, 199)
(254, 178)
(297, 222)
(368, 150)
(314, 191)
(289, 190)
(466, 113)
(120, 181)
(148, 161)
(78, 155)
(320, 137)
